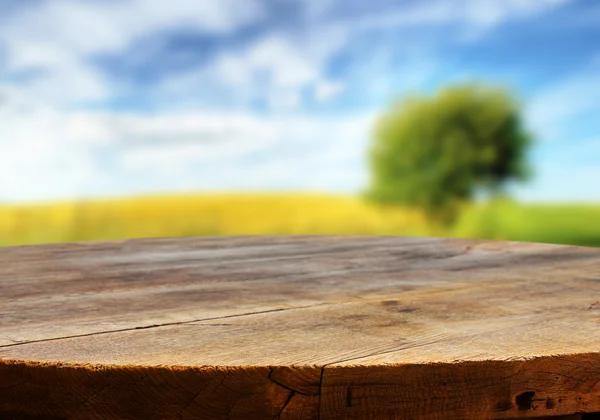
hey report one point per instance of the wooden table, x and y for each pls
(299, 327)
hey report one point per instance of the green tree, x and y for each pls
(438, 152)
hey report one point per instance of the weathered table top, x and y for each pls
(299, 327)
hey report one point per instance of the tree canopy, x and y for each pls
(435, 152)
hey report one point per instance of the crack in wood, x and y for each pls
(166, 324)
(320, 392)
(287, 401)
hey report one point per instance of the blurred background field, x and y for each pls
(223, 118)
(244, 214)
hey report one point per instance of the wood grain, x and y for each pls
(299, 327)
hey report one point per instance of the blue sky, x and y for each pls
(117, 97)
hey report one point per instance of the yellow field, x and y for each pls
(216, 214)
(277, 213)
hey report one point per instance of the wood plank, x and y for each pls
(124, 285)
(297, 327)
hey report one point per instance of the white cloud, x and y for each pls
(492, 12)
(284, 100)
(92, 27)
(58, 37)
(64, 79)
(327, 90)
(174, 141)
(283, 63)
(42, 155)
(287, 66)
(275, 68)
(478, 13)
(57, 157)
